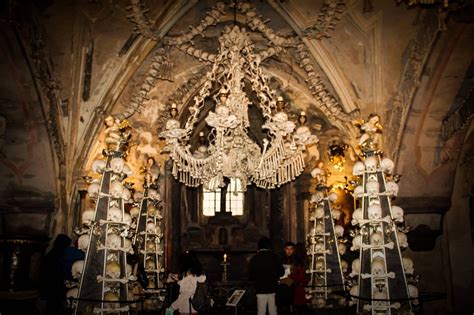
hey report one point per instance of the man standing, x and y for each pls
(265, 270)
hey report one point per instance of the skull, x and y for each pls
(372, 187)
(151, 228)
(154, 195)
(151, 209)
(158, 215)
(319, 213)
(344, 266)
(356, 216)
(354, 291)
(312, 231)
(374, 212)
(359, 192)
(87, 217)
(137, 196)
(378, 266)
(397, 214)
(376, 238)
(150, 264)
(319, 228)
(317, 172)
(355, 267)
(391, 188)
(319, 247)
(76, 269)
(413, 292)
(112, 270)
(317, 197)
(129, 270)
(150, 246)
(320, 303)
(73, 293)
(341, 248)
(83, 242)
(320, 265)
(114, 241)
(114, 214)
(402, 239)
(126, 170)
(127, 219)
(98, 166)
(356, 242)
(110, 297)
(387, 165)
(338, 230)
(332, 197)
(336, 214)
(371, 164)
(134, 212)
(93, 190)
(116, 165)
(408, 265)
(116, 189)
(312, 217)
(127, 244)
(380, 295)
(358, 169)
(126, 195)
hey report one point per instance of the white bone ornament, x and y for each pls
(76, 269)
(373, 187)
(83, 242)
(98, 166)
(87, 217)
(371, 164)
(116, 189)
(355, 267)
(402, 239)
(358, 169)
(116, 165)
(397, 214)
(114, 214)
(338, 231)
(134, 212)
(391, 188)
(336, 214)
(93, 190)
(387, 165)
(356, 242)
(359, 192)
(408, 265)
(356, 216)
(374, 212)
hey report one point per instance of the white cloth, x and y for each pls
(266, 299)
(187, 287)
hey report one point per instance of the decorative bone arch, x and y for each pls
(326, 102)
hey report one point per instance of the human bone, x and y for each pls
(312, 217)
(356, 216)
(127, 219)
(116, 189)
(413, 293)
(374, 212)
(83, 242)
(138, 196)
(319, 266)
(332, 197)
(397, 214)
(319, 228)
(341, 248)
(134, 212)
(344, 266)
(336, 214)
(93, 190)
(129, 270)
(76, 269)
(408, 265)
(355, 267)
(150, 264)
(126, 195)
(382, 295)
(372, 187)
(127, 170)
(150, 246)
(98, 166)
(402, 239)
(114, 241)
(112, 270)
(387, 165)
(378, 266)
(154, 195)
(391, 188)
(356, 242)
(358, 169)
(73, 293)
(319, 212)
(110, 297)
(320, 303)
(151, 228)
(354, 292)
(338, 231)
(87, 217)
(317, 197)
(371, 164)
(127, 244)
(114, 214)
(116, 165)
(359, 191)
(151, 209)
(376, 238)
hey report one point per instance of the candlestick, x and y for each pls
(225, 257)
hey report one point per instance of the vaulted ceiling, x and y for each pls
(67, 64)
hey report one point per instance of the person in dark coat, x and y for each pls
(265, 269)
(52, 286)
(300, 279)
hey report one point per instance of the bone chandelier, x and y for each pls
(231, 152)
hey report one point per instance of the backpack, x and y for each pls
(201, 299)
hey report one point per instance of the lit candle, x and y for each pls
(225, 257)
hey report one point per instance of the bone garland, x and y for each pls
(137, 16)
(111, 310)
(161, 68)
(328, 17)
(212, 17)
(111, 280)
(327, 103)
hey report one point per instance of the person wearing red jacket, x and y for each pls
(300, 279)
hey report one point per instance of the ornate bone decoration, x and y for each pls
(231, 152)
